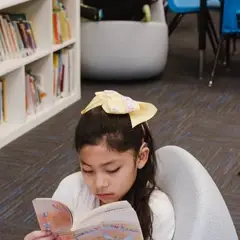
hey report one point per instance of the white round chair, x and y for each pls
(200, 210)
(125, 50)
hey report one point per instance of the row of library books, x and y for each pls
(62, 81)
(34, 83)
(17, 37)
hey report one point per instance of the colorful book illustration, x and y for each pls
(114, 221)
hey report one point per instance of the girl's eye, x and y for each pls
(113, 171)
(87, 171)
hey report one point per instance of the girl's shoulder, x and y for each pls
(160, 203)
(158, 197)
(163, 215)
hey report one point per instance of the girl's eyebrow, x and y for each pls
(104, 164)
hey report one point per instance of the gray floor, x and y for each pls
(204, 121)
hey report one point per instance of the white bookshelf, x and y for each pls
(39, 12)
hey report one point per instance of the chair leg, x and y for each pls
(201, 63)
(234, 41)
(212, 33)
(213, 30)
(212, 40)
(216, 61)
(174, 23)
(227, 52)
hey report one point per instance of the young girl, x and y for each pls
(117, 162)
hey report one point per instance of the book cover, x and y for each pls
(114, 221)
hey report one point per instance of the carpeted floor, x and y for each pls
(203, 121)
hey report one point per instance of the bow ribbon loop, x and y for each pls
(114, 103)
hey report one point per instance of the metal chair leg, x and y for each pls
(216, 61)
(234, 41)
(212, 33)
(213, 30)
(174, 23)
(227, 51)
(201, 63)
(212, 40)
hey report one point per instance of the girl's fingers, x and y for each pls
(55, 236)
(39, 235)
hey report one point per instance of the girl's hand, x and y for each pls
(41, 235)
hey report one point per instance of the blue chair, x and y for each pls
(230, 29)
(183, 7)
(190, 6)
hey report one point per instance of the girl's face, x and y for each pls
(110, 174)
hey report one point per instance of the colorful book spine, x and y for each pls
(34, 92)
(63, 73)
(61, 23)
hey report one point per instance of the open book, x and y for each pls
(113, 221)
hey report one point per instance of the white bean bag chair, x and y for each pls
(200, 210)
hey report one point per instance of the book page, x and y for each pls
(53, 215)
(110, 231)
(107, 208)
(115, 221)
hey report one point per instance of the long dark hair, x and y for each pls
(119, 135)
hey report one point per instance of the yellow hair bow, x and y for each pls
(114, 103)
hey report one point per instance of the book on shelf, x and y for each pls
(3, 101)
(63, 73)
(61, 24)
(16, 36)
(34, 92)
(113, 221)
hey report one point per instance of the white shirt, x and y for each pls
(73, 192)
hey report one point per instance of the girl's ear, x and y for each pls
(142, 156)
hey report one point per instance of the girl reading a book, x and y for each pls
(117, 162)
